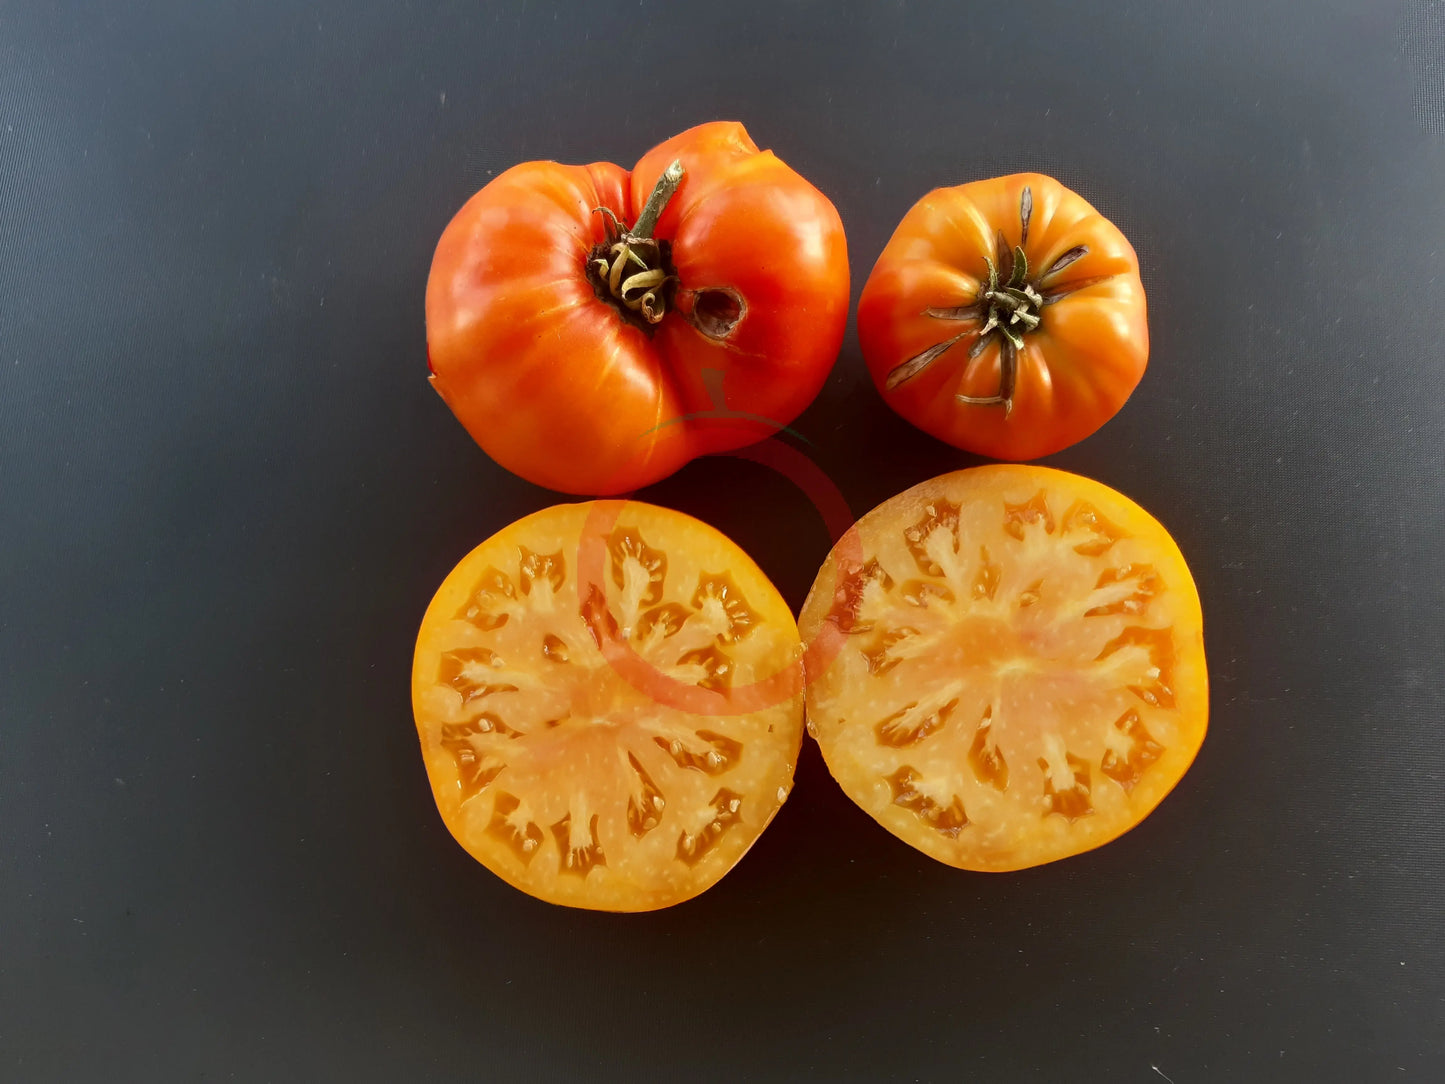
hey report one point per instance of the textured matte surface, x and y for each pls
(226, 495)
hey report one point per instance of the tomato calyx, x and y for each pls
(1013, 307)
(632, 269)
(1008, 306)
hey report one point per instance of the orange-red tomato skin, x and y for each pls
(559, 387)
(1075, 370)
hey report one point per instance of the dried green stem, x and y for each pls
(662, 191)
(1007, 308)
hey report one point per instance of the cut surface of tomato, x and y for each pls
(1006, 665)
(609, 701)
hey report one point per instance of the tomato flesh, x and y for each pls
(1006, 665)
(609, 702)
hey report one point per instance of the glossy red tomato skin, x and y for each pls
(558, 386)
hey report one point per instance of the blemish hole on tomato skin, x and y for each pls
(716, 311)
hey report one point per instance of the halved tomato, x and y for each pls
(1006, 665)
(609, 699)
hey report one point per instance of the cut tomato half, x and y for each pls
(1006, 665)
(609, 700)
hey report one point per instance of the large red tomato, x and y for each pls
(594, 330)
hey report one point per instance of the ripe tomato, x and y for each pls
(1005, 317)
(1006, 665)
(594, 330)
(609, 699)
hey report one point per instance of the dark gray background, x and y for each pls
(228, 493)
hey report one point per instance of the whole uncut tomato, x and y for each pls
(1005, 317)
(1006, 665)
(609, 698)
(594, 330)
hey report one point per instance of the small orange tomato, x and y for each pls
(1005, 317)
(609, 698)
(1006, 665)
(595, 329)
